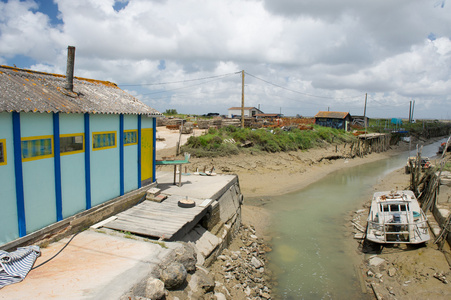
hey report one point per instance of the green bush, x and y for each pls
(267, 140)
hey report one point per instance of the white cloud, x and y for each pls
(325, 48)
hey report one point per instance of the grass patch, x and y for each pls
(232, 140)
(160, 243)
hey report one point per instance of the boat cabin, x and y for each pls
(396, 217)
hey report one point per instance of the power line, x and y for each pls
(294, 91)
(183, 87)
(181, 81)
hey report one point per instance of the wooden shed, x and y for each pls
(333, 119)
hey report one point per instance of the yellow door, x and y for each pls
(146, 153)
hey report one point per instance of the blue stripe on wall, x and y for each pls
(121, 154)
(19, 175)
(87, 161)
(139, 151)
(154, 147)
(57, 165)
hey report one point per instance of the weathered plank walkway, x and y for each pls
(165, 220)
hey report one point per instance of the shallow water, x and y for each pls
(311, 257)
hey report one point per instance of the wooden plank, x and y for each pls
(159, 215)
(157, 227)
(151, 223)
(165, 219)
(188, 211)
(142, 231)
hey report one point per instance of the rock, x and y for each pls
(219, 288)
(266, 249)
(376, 261)
(370, 273)
(247, 291)
(174, 275)
(155, 289)
(222, 257)
(253, 236)
(187, 256)
(441, 277)
(256, 262)
(201, 282)
(265, 295)
(220, 296)
(391, 272)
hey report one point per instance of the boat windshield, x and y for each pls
(394, 207)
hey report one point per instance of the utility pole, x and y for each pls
(242, 99)
(364, 112)
(410, 112)
(413, 109)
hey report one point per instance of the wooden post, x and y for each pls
(242, 99)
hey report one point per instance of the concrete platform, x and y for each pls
(93, 266)
(195, 186)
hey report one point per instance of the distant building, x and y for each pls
(360, 120)
(65, 150)
(333, 119)
(268, 116)
(248, 112)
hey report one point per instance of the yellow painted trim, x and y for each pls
(104, 132)
(77, 151)
(39, 137)
(3, 141)
(135, 130)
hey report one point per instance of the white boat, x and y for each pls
(396, 217)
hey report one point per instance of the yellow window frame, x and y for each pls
(103, 133)
(3, 146)
(35, 138)
(73, 135)
(136, 136)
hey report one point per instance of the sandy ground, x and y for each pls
(263, 175)
(407, 272)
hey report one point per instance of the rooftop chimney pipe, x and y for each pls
(70, 68)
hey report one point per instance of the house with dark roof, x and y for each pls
(67, 144)
(333, 119)
(235, 112)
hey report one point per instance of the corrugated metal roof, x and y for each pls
(30, 91)
(331, 114)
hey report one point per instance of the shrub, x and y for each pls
(268, 140)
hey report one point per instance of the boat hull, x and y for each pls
(396, 217)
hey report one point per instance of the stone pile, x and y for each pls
(243, 272)
(235, 275)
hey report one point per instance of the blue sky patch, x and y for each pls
(162, 65)
(119, 4)
(21, 61)
(49, 8)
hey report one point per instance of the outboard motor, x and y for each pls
(396, 218)
(397, 228)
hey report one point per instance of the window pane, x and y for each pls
(2, 156)
(130, 137)
(37, 147)
(71, 143)
(104, 140)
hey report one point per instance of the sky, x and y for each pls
(298, 56)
